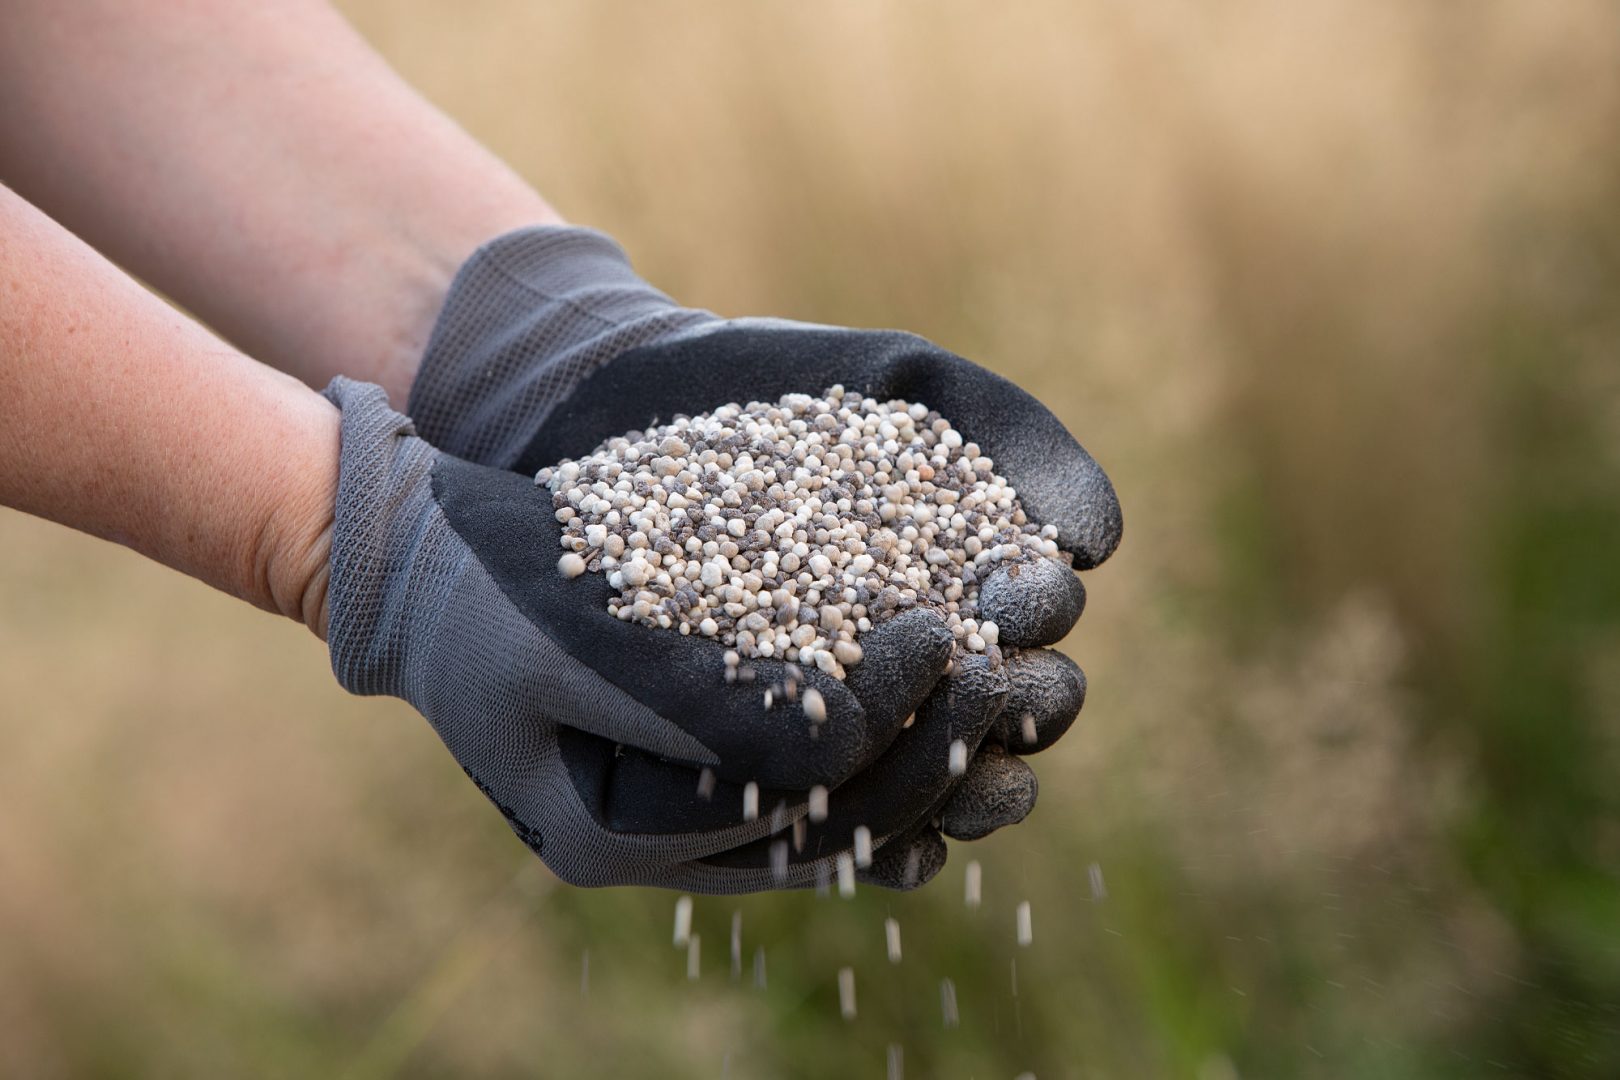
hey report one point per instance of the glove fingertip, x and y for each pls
(907, 864)
(998, 790)
(902, 660)
(1032, 603)
(1095, 527)
(1047, 692)
(969, 699)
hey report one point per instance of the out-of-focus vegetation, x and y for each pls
(1332, 290)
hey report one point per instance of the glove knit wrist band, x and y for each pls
(531, 314)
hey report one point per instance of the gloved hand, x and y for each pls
(549, 343)
(445, 591)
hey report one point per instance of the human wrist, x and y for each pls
(390, 314)
(300, 533)
(288, 549)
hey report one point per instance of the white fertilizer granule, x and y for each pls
(683, 921)
(971, 883)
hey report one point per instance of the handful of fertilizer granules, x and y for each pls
(786, 530)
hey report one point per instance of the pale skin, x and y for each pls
(265, 169)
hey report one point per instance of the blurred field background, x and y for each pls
(1329, 288)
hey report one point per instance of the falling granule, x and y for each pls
(736, 945)
(750, 801)
(778, 817)
(846, 992)
(705, 788)
(863, 846)
(799, 832)
(958, 762)
(846, 875)
(818, 804)
(1025, 1076)
(759, 968)
(694, 956)
(1029, 729)
(1099, 888)
(815, 706)
(585, 974)
(947, 1003)
(1015, 976)
(913, 870)
(970, 885)
(779, 860)
(897, 1062)
(1026, 933)
(823, 880)
(683, 921)
(891, 935)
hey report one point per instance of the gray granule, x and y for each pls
(788, 530)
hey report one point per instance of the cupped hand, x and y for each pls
(1016, 701)
(549, 343)
(445, 591)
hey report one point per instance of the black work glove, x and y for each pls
(445, 591)
(549, 344)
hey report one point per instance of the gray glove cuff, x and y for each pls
(385, 519)
(530, 315)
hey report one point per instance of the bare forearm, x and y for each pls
(121, 417)
(261, 164)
